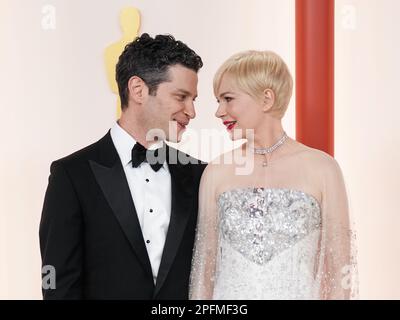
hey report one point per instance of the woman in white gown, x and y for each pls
(279, 230)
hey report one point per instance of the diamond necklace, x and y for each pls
(265, 151)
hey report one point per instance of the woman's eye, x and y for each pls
(181, 98)
(227, 99)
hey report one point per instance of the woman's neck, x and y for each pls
(268, 135)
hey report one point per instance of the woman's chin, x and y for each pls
(236, 134)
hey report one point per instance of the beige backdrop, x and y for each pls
(55, 99)
(367, 138)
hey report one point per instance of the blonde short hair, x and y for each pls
(255, 71)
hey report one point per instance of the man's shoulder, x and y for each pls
(90, 152)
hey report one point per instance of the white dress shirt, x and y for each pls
(151, 194)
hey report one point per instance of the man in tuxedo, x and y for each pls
(119, 216)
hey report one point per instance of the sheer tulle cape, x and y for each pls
(295, 167)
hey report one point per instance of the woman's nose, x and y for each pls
(220, 111)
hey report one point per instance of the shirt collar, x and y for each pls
(124, 143)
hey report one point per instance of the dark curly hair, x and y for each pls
(149, 58)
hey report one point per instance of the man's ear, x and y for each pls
(137, 89)
(268, 100)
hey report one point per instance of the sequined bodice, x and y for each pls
(261, 223)
(269, 233)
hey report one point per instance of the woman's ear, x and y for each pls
(137, 89)
(268, 100)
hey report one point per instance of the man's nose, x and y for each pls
(190, 111)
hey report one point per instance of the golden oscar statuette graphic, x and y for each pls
(130, 24)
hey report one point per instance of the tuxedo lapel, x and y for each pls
(181, 209)
(111, 178)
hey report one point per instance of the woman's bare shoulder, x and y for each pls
(317, 158)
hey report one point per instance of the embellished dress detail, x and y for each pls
(268, 244)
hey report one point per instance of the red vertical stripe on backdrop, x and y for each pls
(315, 73)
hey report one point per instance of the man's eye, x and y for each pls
(227, 99)
(181, 98)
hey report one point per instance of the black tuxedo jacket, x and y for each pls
(90, 233)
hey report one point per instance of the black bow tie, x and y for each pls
(141, 154)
